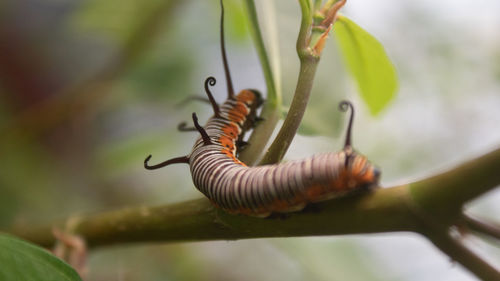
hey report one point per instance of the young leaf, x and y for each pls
(368, 63)
(20, 260)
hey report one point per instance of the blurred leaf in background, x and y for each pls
(21, 260)
(368, 63)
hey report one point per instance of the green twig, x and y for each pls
(458, 252)
(308, 65)
(297, 108)
(481, 226)
(271, 110)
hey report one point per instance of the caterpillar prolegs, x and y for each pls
(262, 190)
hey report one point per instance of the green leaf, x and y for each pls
(20, 260)
(368, 62)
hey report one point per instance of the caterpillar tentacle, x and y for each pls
(201, 130)
(191, 98)
(182, 159)
(182, 127)
(210, 81)
(344, 106)
(229, 82)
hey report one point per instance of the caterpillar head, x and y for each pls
(251, 97)
(360, 172)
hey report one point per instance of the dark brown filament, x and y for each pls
(203, 133)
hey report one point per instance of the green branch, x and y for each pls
(444, 195)
(383, 210)
(198, 220)
(428, 207)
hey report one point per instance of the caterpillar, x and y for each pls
(260, 191)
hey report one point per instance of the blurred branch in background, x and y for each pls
(429, 207)
(74, 99)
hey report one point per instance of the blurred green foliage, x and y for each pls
(21, 260)
(367, 61)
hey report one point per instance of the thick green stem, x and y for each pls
(299, 103)
(308, 65)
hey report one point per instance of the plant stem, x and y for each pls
(444, 194)
(481, 227)
(458, 252)
(299, 103)
(385, 209)
(271, 110)
(198, 220)
(308, 65)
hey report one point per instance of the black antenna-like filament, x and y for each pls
(189, 99)
(344, 106)
(182, 159)
(203, 133)
(184, 128)
(230, 90)
(210, 81)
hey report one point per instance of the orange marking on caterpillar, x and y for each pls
(368, 176)
(231, 130)
(227, 142)
(315, 192)
(246, 96)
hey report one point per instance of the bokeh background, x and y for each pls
(89, 88)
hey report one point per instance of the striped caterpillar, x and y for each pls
(262, 190)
